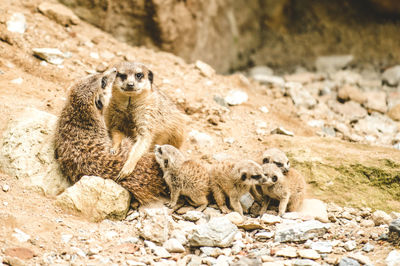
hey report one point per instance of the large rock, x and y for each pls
(155, 224)
(96, 198)
(27, 152)
(218, 232)
(300, 231)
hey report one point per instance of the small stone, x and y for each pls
(350, 245)
(348, 262)
(264, 109)
(394, 113)
(263, 236)
(205, 69)
(260, 70)
(229, 140)
(19, 252)
(367, 223)
(332, 62)
(66, 238)
(288, 252)
(220, 100)
(235, 218)
(368, 247)
(211, 252)
(6, 188)
(51, 55)
(360, 258)
(391, 76)
(282, 131)
(251, 224)
(245, 261)
(300, 96)
(376, 101)
(350, 110)
(316, 123)
(315, 208)
(161, 252)
(193, 216)
(17, 81)
(271, 219)
(393, 259)
(246, 201)
(300, 231)
(305, 262)
(236, 97)
(17, 23)
(174, 246)
(348, 92)
(59, 13)
(308, 254)
(381, 217)
(218, 232)
(21, 236)
(200, 138)
(269, 80)
(155, 224)
(94, 55)
(322, 246)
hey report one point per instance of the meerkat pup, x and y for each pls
(278, 157)
(289, 189)
(183, 177)
(139, 110)
(233, 179)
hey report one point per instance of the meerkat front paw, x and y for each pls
(113, 151)
(126, 170)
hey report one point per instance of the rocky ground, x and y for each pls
(338, 125)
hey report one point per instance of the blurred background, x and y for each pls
(233, 35)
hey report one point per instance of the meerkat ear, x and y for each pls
(151, 76)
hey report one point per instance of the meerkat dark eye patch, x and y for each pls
(99, 104)
(265, 160)
(243, 177)
(274, 178)
(121, 76)
(103, 82)
(279, 164)
(166, 163)
(150, 76)
(159, 150)
(139, 75)
(256, 177)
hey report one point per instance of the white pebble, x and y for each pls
(6, 188)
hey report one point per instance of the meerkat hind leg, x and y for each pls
(140, 147)
(264, 206)
(220, 200)
(200, 202)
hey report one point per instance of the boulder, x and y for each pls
(27, 152)
(96, 198)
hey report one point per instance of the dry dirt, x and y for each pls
(45, 87)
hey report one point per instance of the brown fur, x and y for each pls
(289, 189)
(226, 179)
(82, 143)
(184, 177)
(278, 157)
(139, 110)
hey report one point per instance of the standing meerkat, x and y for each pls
(183, 177)
(233, 179)
(139, 110)
(278, 157)
(82, 143)
(289, 189)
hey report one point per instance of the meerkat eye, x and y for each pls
(288, 164)
(274, 178)
(159, 150)
(103, 82)
(244, 176)
(166, 163)
(256, 177)
(99, 104)
(139, 76)
(121, 76)
(265, 160)
(279, 164)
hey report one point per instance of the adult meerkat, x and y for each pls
(82, 143)
(278, 157)
(139, 110)
(233, 179)
(289, 189)
(184, 177)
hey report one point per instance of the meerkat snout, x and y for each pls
(272, 174)
(277, 157)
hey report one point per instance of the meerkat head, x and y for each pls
(249, 172)
(278, 157)
(167, 156)
(93, 91)
(272, 174)
(133, 78)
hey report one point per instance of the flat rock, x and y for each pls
(300, 231)
(391, 76)
(51, 55)
(27, 152)
(59, 13)
(193, 216)
(376, 101)
(289, 252)
(308, 254)
(381, 217)
(352, 111)
(96, 198)
(205, 69)
(236, 97)
(16, 23)
(251, 224)
(235, 218)
(350, 245)
(348, 262)
(19, 252)
(316, 209)
(393, 259)
(305, 262)
(375, 124)
(322, 246)
(218, 232)
(271, 219)
(332, 62)
(200, 138)
(174, 246)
